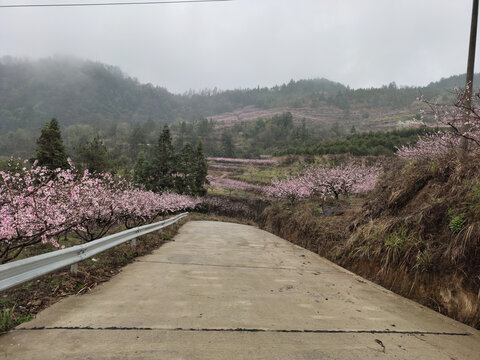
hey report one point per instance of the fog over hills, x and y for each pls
(79, 92)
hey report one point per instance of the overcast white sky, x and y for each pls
(245, 43)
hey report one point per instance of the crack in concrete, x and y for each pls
(250, 330)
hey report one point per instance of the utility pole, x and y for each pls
(470, 66)
(471, 52)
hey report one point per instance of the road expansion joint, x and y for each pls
(245, 330)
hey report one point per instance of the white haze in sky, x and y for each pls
(249, 43)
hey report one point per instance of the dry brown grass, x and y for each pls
(420, 231)
(304, 224)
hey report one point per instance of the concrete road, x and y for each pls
(228, 291)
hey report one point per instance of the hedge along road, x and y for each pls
(228, 291)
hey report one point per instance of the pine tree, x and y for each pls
(50, 147)
(163, 164)
(228, 147)
(180, 140)
(185, 175)
(141, 169)
(201, 169)
(94, 156)
(137, 139)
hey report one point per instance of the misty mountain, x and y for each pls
(84, 92)
(75, 91)
(90, 98)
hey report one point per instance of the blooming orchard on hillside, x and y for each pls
(324, 182)
(38, 205)
(230, 184)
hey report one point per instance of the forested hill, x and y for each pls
(75, 92)
(452, 81)
(85, 92)
(90, 98)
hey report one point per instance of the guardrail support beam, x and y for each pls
(17, 272)
(74, 269)
(133, 242)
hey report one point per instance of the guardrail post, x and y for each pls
(74, 269)
(133, 242)
(160, 232)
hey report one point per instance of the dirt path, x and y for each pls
(229, 291)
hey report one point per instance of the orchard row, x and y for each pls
(40, 205)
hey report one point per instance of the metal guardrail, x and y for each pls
(18, 272)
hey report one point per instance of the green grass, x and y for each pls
(23, 319)
(7, 319)
(6, 303)
(396, 240)
(27, 286)
(53, 282)
(457, 223)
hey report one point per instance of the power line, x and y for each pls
(113, 3)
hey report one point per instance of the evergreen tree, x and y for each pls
(50, 147)
(185, 175)
(94, 156)
(141, 169)
(228, 147)
(137, 139)
(200, 170)
(163, 164)
(180, 140)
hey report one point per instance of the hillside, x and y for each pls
(77, 91)
(91, 99)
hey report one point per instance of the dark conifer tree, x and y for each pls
(137, 139)
(228, 146)
(163, 163)
(200, 170)
(185, 175)
(94, 156)
(50, 148)
(141, 169)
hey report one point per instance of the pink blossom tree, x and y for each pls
(38, 205)
(462, 118)
(323, 182)
(293, 188)
(430, 146)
